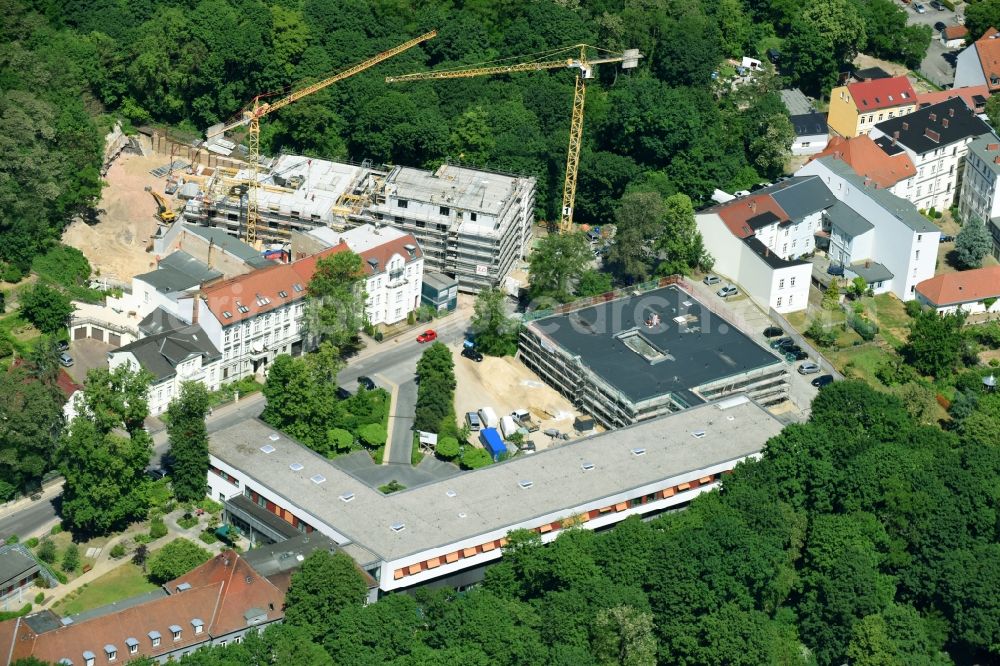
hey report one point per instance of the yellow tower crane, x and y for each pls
(575, 57)
(259, 108)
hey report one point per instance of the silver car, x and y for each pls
(808, 368)
(712, 279)
(727, 291)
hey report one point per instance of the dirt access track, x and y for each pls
(506, 384)
(116, 245)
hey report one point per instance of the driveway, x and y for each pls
(87, 354)
(938, 64)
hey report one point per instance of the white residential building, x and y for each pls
(253, 318)
(875, 235)
(979, 63)
(974, 292)
(936, 138)
(393, 264)
(980, 199)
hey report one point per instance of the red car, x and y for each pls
(427, 336)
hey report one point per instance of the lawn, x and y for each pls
(126, 581)
(861, 361)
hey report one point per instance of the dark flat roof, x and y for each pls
(888, 146)
(809, 124)
(767, 256)
(935, 126)
(699, 352)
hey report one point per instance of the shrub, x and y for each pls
(143, 538)
(6, 346)
(411, 318)
(46, 551)
(32, 542)
(187, 521)
(372, 434)
(823, 336)
(176, 559)
(13, 538)
(61, 577)
(117, 551)
(157, 528)
(447, 448)
(10, 615)
(208, 536)
(208, 505)
(392, 487)
(949, 4)
(56, 529)
(40, 597)
(913, 308)
(474, 458)
(71, 558)
(863, 327)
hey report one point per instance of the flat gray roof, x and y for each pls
(795, 101)
(871, 271)
(696, 346)
(230, 244)
(801, 195)
(848, 220)
(178, 271)
(455, 187)
(490, 499)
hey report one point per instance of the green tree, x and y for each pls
(993, 108)
(71, 558)
(594, 283)
(831, 296)
(30, 422)
(474, 458)
(972, 244)
(176, 559)
(326, 585)
(46, 551)
(337, 297)
(639, 218)
(340, 440)
(495, 330)
(557, 262)
(47, 308)
(935, 343)
(436, 391)
(624, 635)
(981, 16)
(447, 448)
(679, 243)
(188, 439)
(824, 337)
(372, 434)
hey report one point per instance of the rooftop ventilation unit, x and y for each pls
(274, 437)
(295, 467)
(587, 466)
(698, 434)
(183, 587)
(639, 452)
(317, 479)
(347, 497)
(524, 483)
(267, 448)
(462, 515)
(397, 527)
(451, 493)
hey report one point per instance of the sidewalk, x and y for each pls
(54, 489)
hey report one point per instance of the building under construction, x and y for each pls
(472, 225)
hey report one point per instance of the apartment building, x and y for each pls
(255, 317)
(449, 530)
(868, 159)
(856, 108)
(936, 138)
(980, 199)
(472, 225)
(874, 235)
(212, 246)
(392, 260)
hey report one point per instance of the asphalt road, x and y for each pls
(393, 361)
(938, 64)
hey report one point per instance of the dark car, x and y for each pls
(342, 393)
(469, 352)
(836, 270)
(796, 354)
(62, 346)
(156, 473)
(366, 382)
(946, 239)
(782, 342)
(822, 380)
(939, 26)
(936, 5)
(773, 332)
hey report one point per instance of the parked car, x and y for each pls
(773, 332)
(937, 6)
(156, 473)
(469, 352)
(795, 353)
(342, 393)
(835, 270)
(712, 279)
(472, 418)
(782, 342)
(65, 359)
(430, 335)
(822, 380)
(919, 8)
(366, 382)
(946, 239)
(727, 291)
(808, 368)
(62, 346)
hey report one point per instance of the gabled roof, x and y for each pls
(14, 562)
(871, 73)
(799, 196)
(869, 160)
(161, 353)
(962, 287)
(375, 244)
(809, 124)
(934, 126)
(878, 94)
(159, 321)
(219, 596)
(955, 32)
(178, 271)
(988, 50)
(264, 289)
(974, 96)
(736, 214)
(848, 220)
(795, 101)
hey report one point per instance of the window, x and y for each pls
(791, 282)
(444, 210)
(402, 203)
(472, 216)
(781, 283)
(156, 642)
(790, 299)
(779, 301)
(784, 248)
(918, 255)
(133, 646)
(920, 237)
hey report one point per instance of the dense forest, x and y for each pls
(68, 68)
(861, 537)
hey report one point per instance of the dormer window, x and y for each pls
(111, 652)
(198, 626)
(88, 658)
(154, 638)
(133, 645)
(175, 631)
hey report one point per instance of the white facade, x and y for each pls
(809, 144)
(161, 392)
(783, 288)
(971, 307)
(938, 172)
(969, 69)
(978, 199)
(794, 239)
(394, 292)
(908, 249)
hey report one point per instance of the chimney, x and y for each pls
(895, 135)
(932, 117)
(996, 160)
(868, 263)
(906, 125)
(944, 123)
(993, 146)
(951, 112)
(753, 205)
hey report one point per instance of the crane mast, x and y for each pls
(585, 70)
(251, 119)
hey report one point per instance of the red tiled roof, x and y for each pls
(736, 213)
(962, 287)
(64, 382)
(382, 254)
(955, 32)
(966, 93)
(260, 291)
(882, 93)
(220, 594)
(863, 155)
(988, 50)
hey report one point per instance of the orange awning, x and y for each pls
(468, 552)
(398, 573)
(488, 546)
(451, 557)
(414, 568)
(433, 563)
(621, 506)
(683, 486)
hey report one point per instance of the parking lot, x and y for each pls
(87, 354)
(505, 384)
(938, 64)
